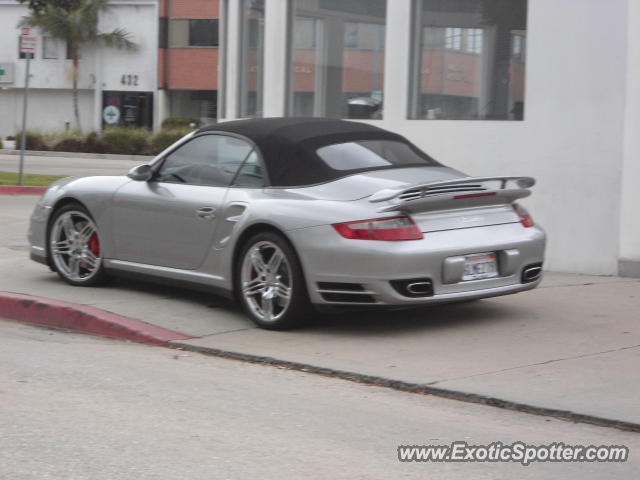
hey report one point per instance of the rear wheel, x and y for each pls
(74, 246)
(270, 283)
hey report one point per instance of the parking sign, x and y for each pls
(27, 41)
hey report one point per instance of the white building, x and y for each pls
(545, 88)
(581, 101)
(106, 74)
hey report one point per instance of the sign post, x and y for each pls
(28, 47)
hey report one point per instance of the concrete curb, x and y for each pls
(424, 389)
(21, 190)
(52, 313)
(104, 156)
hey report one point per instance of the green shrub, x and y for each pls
(52, 138)
(65, 141)
(130, 141)
(165, 138)
(93, 143)
(70, 144)
(173, 123)
(1, 144)
(34, 141)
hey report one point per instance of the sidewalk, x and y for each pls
(70, 165)
(573, 344)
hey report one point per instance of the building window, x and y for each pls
(304, 34)
(189, 32)
(203, 32)
(252, 58)
(474, 40)
(163, 32)
(518, 46)
(453, 38)
(337, 58)
(49, 48)
(469, 60)
(197, 104)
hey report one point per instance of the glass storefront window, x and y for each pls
(337, 58)
(252, 60)
(469, 60)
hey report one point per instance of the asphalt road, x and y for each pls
(80, 407)
(67, 166)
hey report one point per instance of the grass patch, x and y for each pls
(30, 179)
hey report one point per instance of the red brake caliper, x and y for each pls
(94, 244)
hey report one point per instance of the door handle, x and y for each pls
(206, 212)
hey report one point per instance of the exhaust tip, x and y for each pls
(415, 287)
(531, 273)
(419, 288)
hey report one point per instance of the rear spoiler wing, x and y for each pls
(470, 191)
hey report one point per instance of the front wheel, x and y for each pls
(74, 246)
(270, 283)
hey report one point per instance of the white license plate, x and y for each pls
(480, 265)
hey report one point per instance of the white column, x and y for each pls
(276, 78)
(223, 10)
(397, 59)
(159, 96)
(629, 256)
(97, 91)
(161, 110)
(233, 28)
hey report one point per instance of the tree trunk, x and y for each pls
(74, 78)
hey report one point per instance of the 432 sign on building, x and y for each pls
(130, 80)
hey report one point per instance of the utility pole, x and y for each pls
(28, 48)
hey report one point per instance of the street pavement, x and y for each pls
(67, 165)
(573, 344)
(86, 408)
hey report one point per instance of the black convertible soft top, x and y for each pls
(288, 145)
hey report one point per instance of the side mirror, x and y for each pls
(141, 173)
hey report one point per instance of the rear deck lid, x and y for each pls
(465, 218)
(361, 185)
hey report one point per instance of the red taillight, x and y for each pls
(474, 195)
(389, 228)
(525, 218)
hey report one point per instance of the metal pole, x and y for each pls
(23, 140)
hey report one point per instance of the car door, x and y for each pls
(171, 220)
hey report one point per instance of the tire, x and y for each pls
(270, 284)
(73, 246)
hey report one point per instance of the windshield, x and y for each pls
(372, 154)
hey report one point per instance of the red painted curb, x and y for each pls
(21, 190)
(48, 312)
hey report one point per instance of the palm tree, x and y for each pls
(77, 24)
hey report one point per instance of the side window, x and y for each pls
(206, 160)
(251, 174)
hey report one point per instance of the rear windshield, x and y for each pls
(372, 154)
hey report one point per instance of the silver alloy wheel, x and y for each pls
(75, 246)
(265, 280)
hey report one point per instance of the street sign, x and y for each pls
(6, 72)
(27, 41)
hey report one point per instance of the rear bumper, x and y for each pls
(368, 267)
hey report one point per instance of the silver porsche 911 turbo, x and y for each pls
(286, 214)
